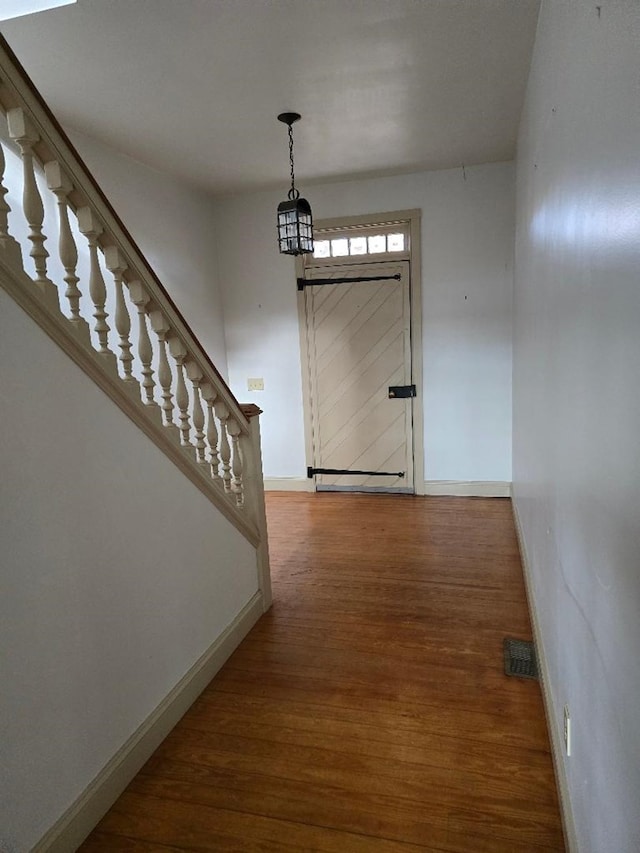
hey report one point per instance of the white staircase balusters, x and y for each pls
(4, 207)
(209, 395)
(213, 441)
(59, 183)
(161, 327)
(195, 375)
(233, 428)
(6, 240)
(22, 131)
(141, 299)
(92, 229)
(117, 264)
(179, 353)
(222, 413)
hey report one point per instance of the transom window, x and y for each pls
(388, 239)
(376, 244)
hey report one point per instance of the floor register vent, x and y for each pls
(520, 658)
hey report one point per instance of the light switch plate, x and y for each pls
(255, 384)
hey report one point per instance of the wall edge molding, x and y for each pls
(550, 708)
(469, 488)
(70, 830)
(288, 484)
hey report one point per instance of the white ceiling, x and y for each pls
(194, 86)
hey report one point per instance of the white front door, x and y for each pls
(359, 346)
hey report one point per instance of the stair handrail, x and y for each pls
(227, 440)
(23, 92)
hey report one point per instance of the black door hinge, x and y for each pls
(312, 471)
(313, 282)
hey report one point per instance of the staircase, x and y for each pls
(73, 269)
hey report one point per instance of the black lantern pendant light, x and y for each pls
(295, 224)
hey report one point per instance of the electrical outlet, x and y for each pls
(255, 384)
(567, 731)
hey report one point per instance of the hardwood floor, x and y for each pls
(368, 711)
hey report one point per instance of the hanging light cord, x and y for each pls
(293, 192)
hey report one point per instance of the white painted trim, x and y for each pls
(415, 232)
(553, 711)
(257, 500)
(288, 484)
(305, 373)
(458, 488)
(472, 488)
(369, 219)
(83, 815)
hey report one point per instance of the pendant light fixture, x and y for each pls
(295, 223)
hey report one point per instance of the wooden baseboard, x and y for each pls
(553, 712)
(77, 822)
(471, 488)
(288, 484)
(459, 488)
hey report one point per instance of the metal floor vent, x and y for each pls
(520, 658)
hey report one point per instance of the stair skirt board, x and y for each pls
(454, 488)
(77, 822)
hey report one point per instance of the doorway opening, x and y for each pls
(360, 331)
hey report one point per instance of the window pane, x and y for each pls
(377, 244)
(358, 245)
(395, 243)
(340, 247)
(322, 249)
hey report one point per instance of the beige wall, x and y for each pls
(172, 224)
(467, 283)
(577, 396)
(117, 574)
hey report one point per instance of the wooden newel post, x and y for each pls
(254, 485)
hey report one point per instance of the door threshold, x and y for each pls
(382, 489)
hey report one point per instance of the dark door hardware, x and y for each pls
(402, 391)
(312, 471)
(311, 282)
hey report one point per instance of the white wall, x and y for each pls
(172, 223)
(117, 574)
(467, 249)
(577, 395)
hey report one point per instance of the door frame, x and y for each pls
(413, 218)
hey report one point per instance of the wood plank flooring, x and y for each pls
(368, 711)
